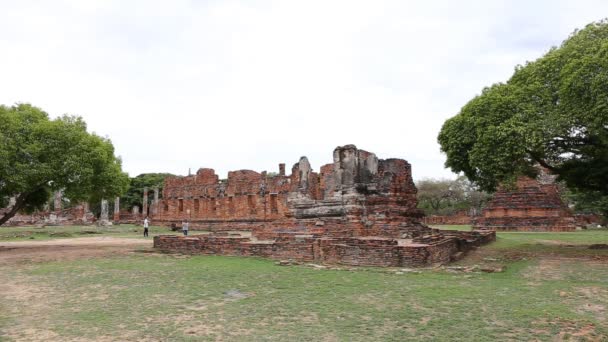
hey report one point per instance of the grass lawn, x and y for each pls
(554, 288)
(452, 226)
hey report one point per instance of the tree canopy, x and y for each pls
(447, 196)
(134, 195)
(39, 155)
(552, 112)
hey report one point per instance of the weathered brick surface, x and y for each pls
(530, 206)
(359, 210)
(77, 215)
(461, 217)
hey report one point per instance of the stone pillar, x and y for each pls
(305, 169)
(57, 196)
(12, 201)
(282, 169)
(116, 209)
(144, 212)
(86, 212)
(104, 219)
(135, 211)
(155, 203)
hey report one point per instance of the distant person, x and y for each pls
(146, 224)
(185, 227)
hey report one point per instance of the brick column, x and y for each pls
(104, 217)
(155, 203)
(57, 201)
(145, 203)
(85, 212)
(117, 209)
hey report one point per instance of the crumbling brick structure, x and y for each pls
(76, 215)
(462, 217)
(531, 205)
(359, 210)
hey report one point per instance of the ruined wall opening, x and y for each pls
(180, 205)
(196, 205)
(231, 205)
(274, 208)
(251, 204)
(213, 205)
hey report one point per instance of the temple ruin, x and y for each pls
(78, 214)
(531, 205)
(358, 210)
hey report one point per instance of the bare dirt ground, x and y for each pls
(22, 289)
(67, 249)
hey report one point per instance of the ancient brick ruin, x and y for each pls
(532, 205)
(78, 214)
(462, 217)
(359, 210)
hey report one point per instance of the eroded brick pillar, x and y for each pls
(57, 200)
(104, 217)
(155, 203)
(145, 203)
(117, 209)
(282, 169)
(85, 212)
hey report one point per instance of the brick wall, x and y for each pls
(360, 210)
(529, 206)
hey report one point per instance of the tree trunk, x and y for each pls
(19, 202)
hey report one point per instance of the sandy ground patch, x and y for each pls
(67, 249)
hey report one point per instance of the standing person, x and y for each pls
(146, 224)
(185, 227)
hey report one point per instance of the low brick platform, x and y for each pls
(365, 251)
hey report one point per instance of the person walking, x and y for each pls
(185, 227)
(146, 224)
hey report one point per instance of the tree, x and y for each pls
(589, 202)
(447, 196)
(134, 194)
(435, 195)
(39, 155)
(552, 112)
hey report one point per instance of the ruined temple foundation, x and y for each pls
(532, 205)
(358, 210)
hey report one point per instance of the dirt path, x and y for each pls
(67, 249)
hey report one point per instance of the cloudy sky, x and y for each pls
(248, 84)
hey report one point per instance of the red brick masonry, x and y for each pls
(357, 251)
(530, 206)
(461, 217)
(357, 211)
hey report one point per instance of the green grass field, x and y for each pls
(554, 288)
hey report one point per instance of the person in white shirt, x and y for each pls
(146, 224)
(185, 227)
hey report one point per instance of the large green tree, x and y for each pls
(552, 112)
(39, 155)
(134, 195)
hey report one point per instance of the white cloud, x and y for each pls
(232, 85)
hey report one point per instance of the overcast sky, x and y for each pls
(249, 84)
